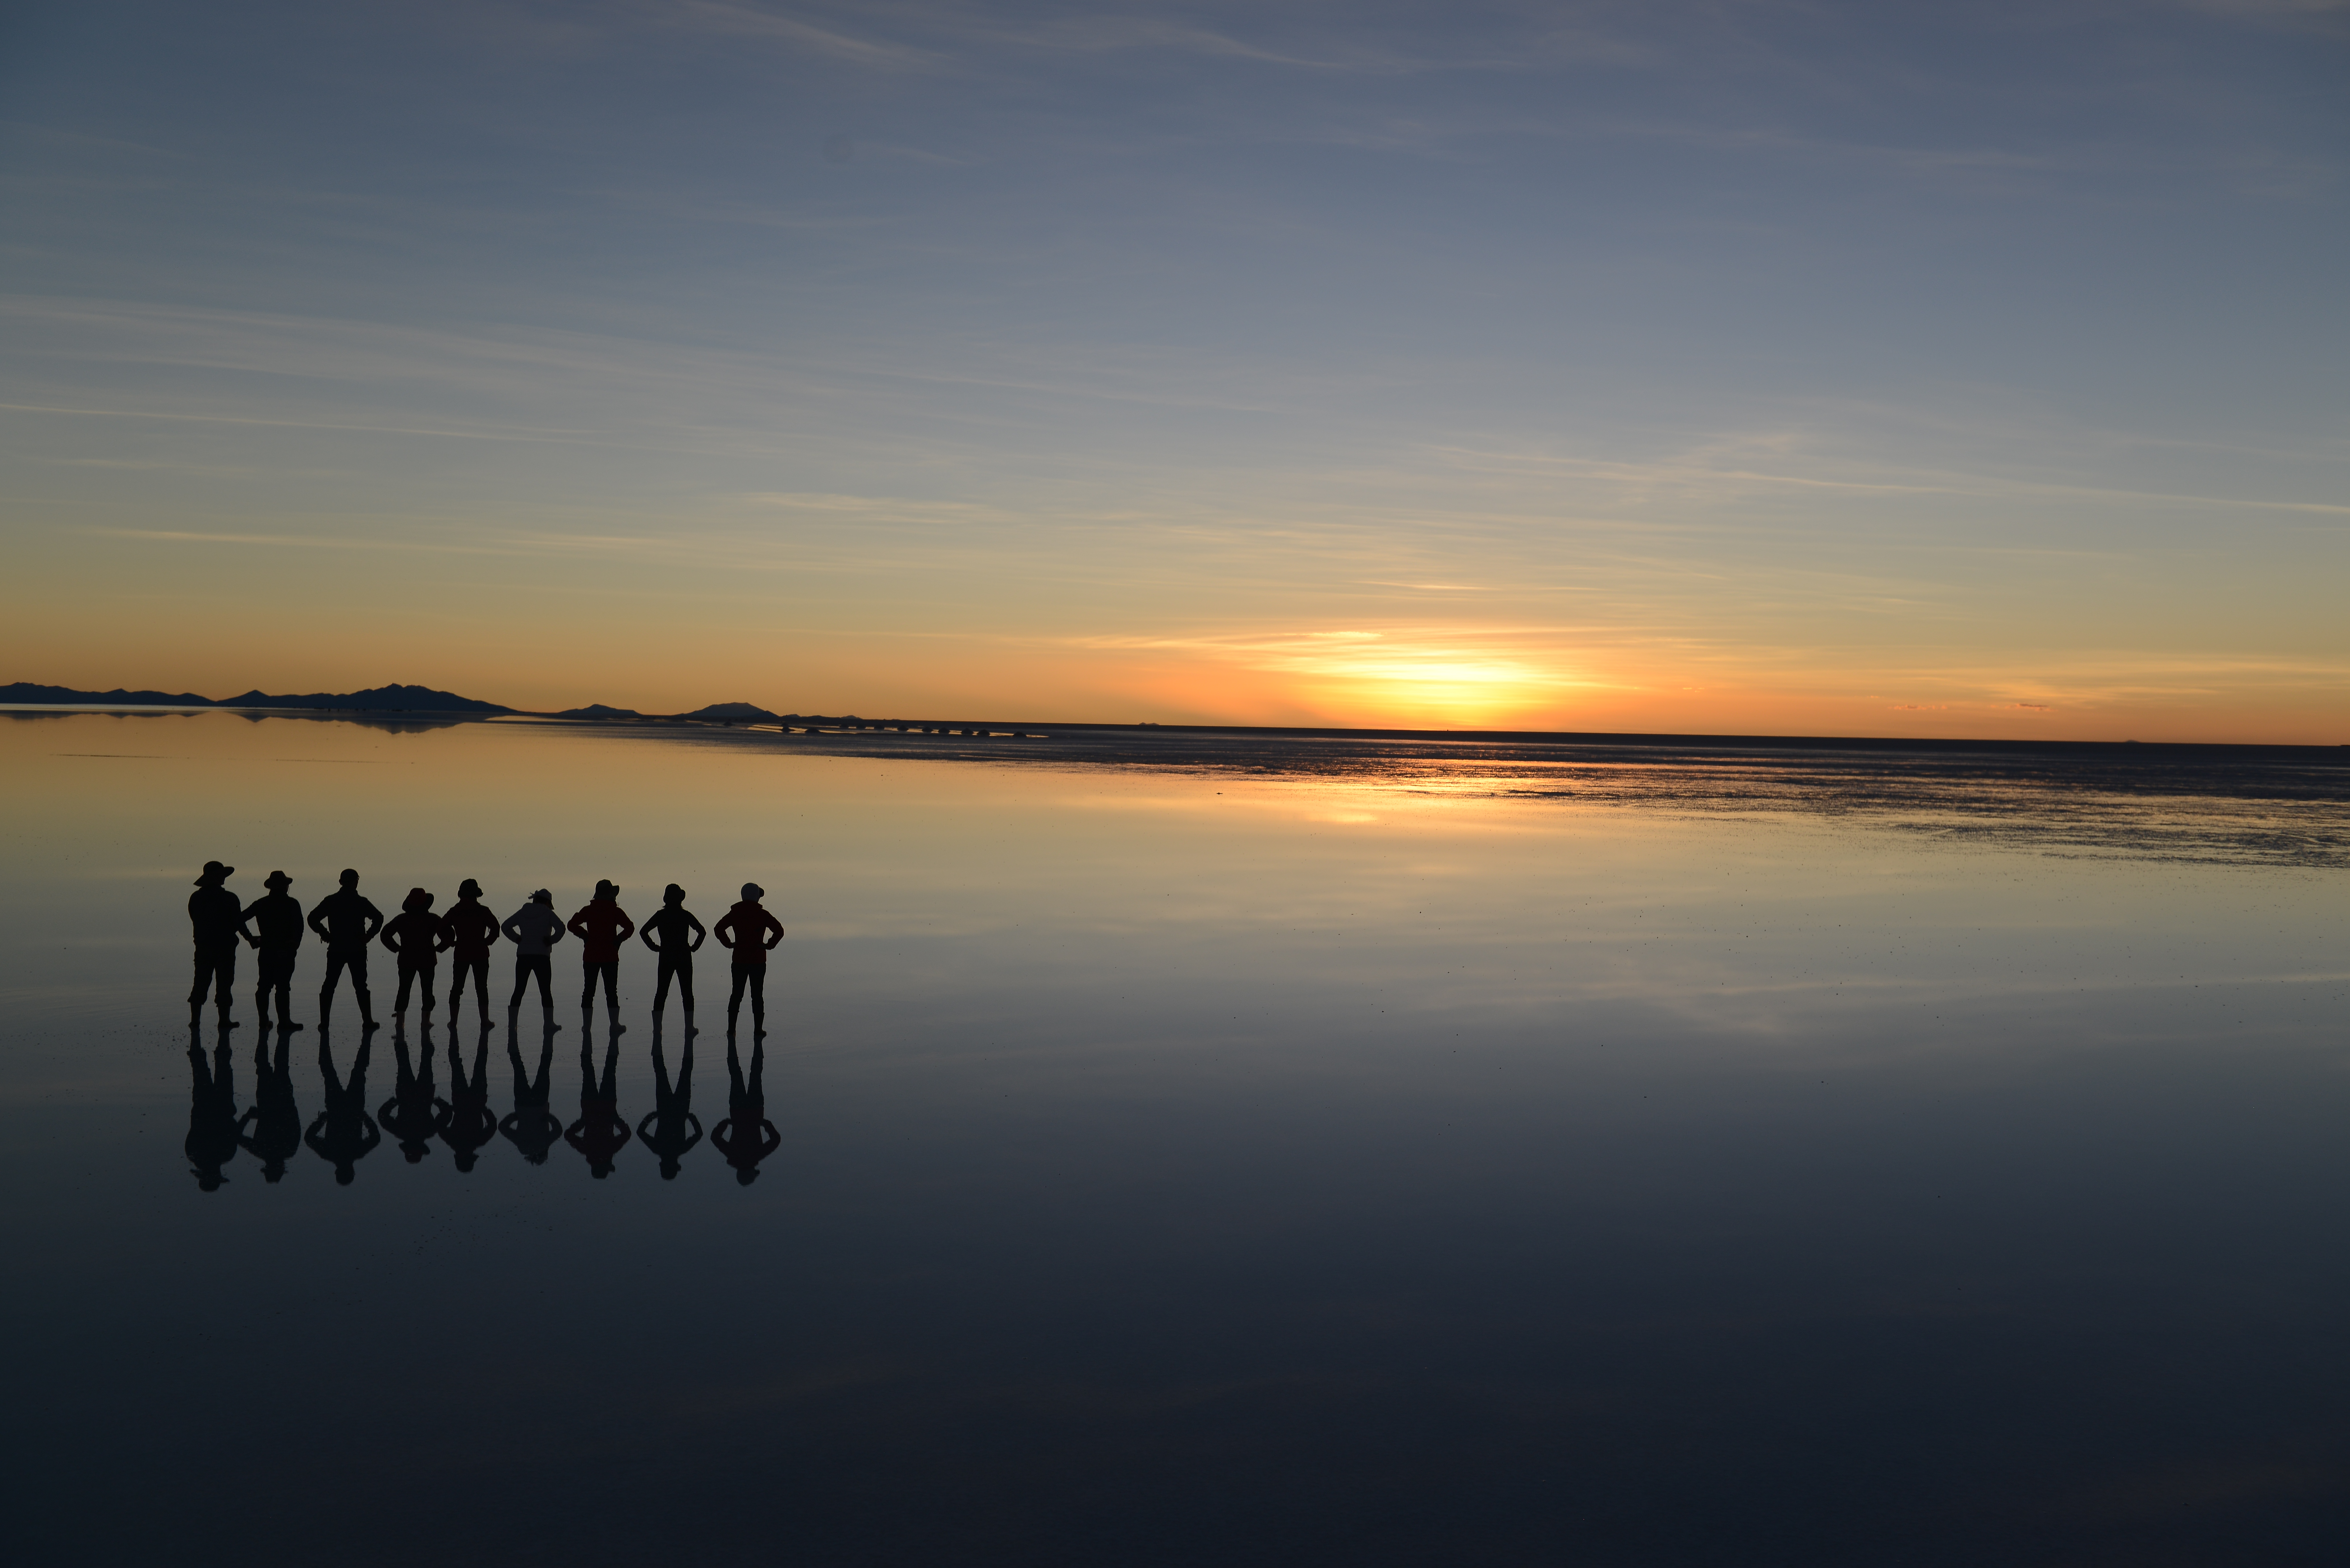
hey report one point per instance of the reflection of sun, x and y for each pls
(1378, 678)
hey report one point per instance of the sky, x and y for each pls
(1867, 369)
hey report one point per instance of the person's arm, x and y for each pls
(776, 932)
(244, 924)
(723, 930)
(511, 935)
(317, 925)
(698, 933)
(492, 919)
(628, 926)
(577, 925)
(770, 1140)
(645, 934)
(445, 936)
(696, 1138)
(374, 914)
(397, 928)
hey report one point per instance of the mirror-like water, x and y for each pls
(1224, 1155)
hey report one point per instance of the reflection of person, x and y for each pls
(464, 1120)
(602, 926)
(531, 1126)
(212, 1110)
(681, 938)
(601, 1131)
(275, 924)
(419, 936)
(747, 1137)
(665, 1129)
(533, 928)
(217, 918)
(750, 931)
(408, 1115)
(343, 1134)
(472, 932)
(347, 923)
(274, 1119)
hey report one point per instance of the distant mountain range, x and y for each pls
(375, 700)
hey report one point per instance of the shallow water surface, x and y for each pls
(1225, 1155)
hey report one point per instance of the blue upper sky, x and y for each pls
(1834, 360)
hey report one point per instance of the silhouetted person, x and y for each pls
(531, 1126)
(347, 923)
(747, 1137)
(408, 1115)
(274, 1120)
(419, 936)
(602, 926)
(274, 926)
(464, 1120)
(472, 932)
(533, 928)
(751, 932)
(681, 938)
(670, 1129)
(343, 1134)
(601, 1131)
(212, 1110)
(216, 917)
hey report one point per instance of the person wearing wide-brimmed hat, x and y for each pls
(602, 926)
(275, 922)
(419, 936)
(472, 932)
(750, 931)
(681, 938)
(347, 922)
(217, 917)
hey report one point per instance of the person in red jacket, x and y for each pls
(750, 931)
(419, 936)
(472, 932)
(602, 926)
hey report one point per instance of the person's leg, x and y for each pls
(204, 981)
(685, 984)
(522, 981)
(586, 982)
(734, 1002)
(666, 968)
(611, 967)
(336, 958)
(481, 984)
(543, 966)
(424, 977)
(759, 1000)
(224, 976)
(359, 986)
(399, 1003)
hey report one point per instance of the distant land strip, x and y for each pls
(425, 701)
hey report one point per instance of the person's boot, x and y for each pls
(758, 1024)
(326, 1004)
(226, 1021)
(367, 1013)
(614, 1020)
(690, 1030)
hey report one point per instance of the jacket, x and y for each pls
(533, 928)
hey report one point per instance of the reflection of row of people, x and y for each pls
(348, 924)
(344, 1132)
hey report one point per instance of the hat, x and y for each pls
(605, 890)
(418, 899)
(752, 892)
(672, 894)
(541, 896)
(278, 879)
(469, 888)
(215, 872)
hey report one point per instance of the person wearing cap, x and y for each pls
(217, 918)
(419, 936)
(749, 930)
(602, 926)
(274, 927)
(681, 938)
(533, 928)
(347, 923)
(472, 932)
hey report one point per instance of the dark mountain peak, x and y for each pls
(599, 710)
(738, 712)
(374, 699)
(27, 691)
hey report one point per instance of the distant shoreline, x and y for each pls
(818, 726)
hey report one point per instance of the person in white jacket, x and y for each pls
(534, 928)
